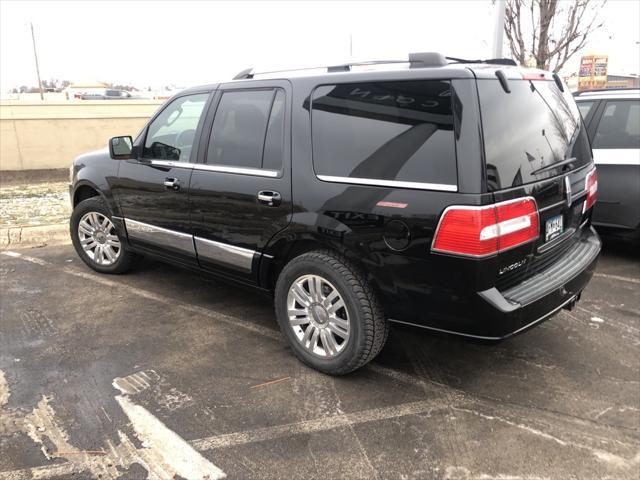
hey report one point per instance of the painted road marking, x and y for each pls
(163, 453)
(175, 452)
(617, 277)
(4, 390)
(318, 425)
(136, 382)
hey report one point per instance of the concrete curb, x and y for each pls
(32, 235)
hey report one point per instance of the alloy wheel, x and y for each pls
(98, 238)
(318, 315)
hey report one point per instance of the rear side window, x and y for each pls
(239, 135)
(619, 126)
(388, 131)
(528, 131)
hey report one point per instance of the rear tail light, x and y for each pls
(482, 231)
(591, 186)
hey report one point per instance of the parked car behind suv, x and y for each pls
(612, 118)
(444, 194)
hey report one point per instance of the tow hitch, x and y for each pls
(569, 306)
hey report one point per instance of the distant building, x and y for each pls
(81, 88)
(612, 81)
(623, 81)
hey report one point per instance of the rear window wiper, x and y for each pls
(554, 165)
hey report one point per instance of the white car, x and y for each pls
(612, 118)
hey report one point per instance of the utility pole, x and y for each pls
(351, 46)
(35, 54)
(499, 33)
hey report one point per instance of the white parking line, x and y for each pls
(617, 277)
(317, 425)
(180, 457)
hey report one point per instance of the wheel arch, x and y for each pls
(83, 191)
(286, 247)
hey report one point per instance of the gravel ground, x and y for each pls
(35, 204)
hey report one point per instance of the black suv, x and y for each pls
(441, 193)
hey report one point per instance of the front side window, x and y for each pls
(619, 126)
(172, 134)
(248, 130)
(388, 131)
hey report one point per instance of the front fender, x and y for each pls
(98, 171)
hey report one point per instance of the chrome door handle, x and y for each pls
(172, 183)
(269, 198)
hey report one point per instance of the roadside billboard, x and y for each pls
(593, 72)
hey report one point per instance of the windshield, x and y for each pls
(534, 132)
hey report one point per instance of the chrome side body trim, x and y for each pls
(160, 236)
(228, 255)
(258, 172)
(169, 163)
(442, 187)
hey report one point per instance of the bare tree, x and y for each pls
(549, 31)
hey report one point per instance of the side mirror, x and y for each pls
(120, 148)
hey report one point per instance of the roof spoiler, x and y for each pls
(427, 59)
(246, 73)
(491, 61)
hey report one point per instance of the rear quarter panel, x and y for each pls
(349, 219)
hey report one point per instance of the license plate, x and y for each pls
(553, 228)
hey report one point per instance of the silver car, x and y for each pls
(612, 118)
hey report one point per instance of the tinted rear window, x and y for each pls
(398, 131)
(528, 130)
(240, 128)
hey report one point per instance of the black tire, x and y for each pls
(125, 258)
(368, 327)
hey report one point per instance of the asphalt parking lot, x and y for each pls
(163, 373)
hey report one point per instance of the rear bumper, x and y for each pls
(496, 315)
(541, 296)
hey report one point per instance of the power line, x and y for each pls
(35, 54)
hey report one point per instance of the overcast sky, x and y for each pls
(186, 43)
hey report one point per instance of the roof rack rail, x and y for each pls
(415, 60)
(492, 61)
(345, 67)
(595, 90)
